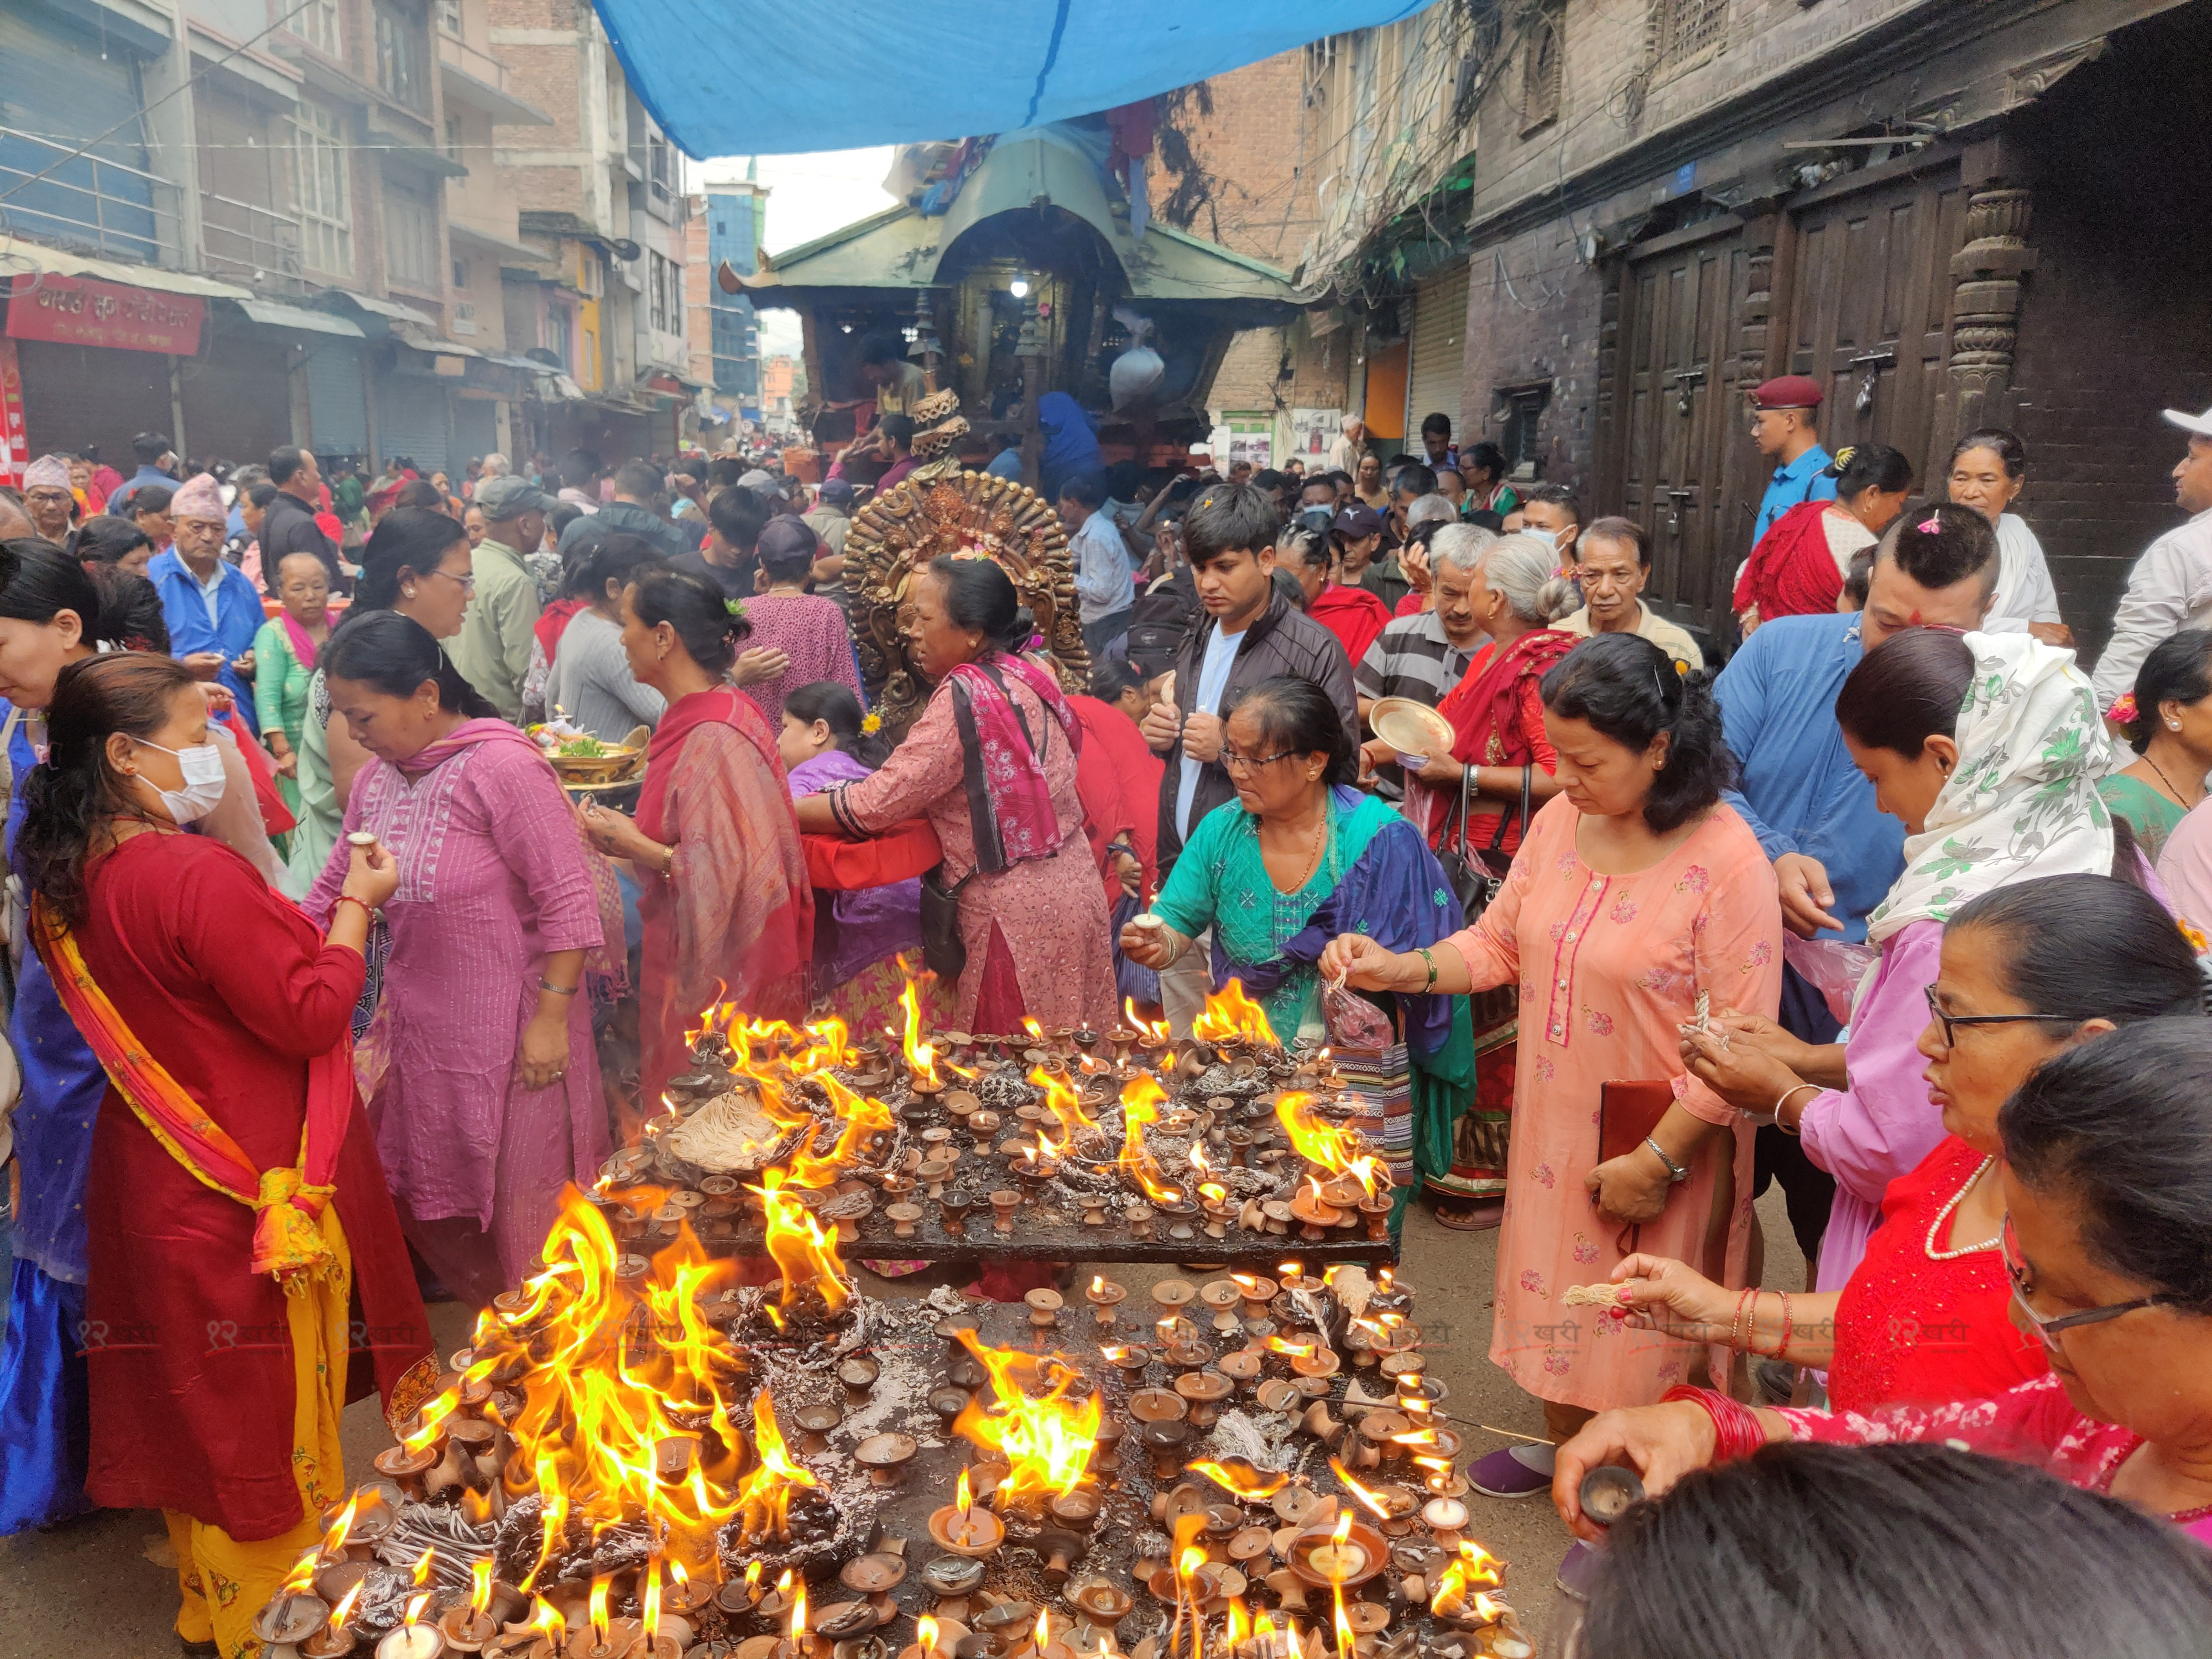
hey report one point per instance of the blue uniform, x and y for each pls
(237, 619)
(1803, 480)
(1799, 791)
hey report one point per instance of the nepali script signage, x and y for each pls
(83, 311)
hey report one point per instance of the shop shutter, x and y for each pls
(410, 421)
(475, 429)
(78, 395)
(338, 402)
(1439, 340)
(238, 400)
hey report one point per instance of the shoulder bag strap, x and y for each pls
(1497, 841)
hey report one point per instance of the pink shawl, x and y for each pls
(1009, 801)
(303, 645)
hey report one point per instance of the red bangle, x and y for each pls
(1736, 1431)
(367, 914)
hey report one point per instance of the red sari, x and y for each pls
(1791, 572)
(734, 920)
(1355, 615)
(1118, 777)
(230, 988)
(1497, 720)
(1912, 1327)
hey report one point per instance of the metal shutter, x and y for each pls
(410, 421)
(1439, 339)
(77, 395)
(475, 429)
(238, 400)
(337, 401)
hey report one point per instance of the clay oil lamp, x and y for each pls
(1106, 1453)
(1130, 1359)
(1157, 1405)
(1238, 1139)
(1242, 1367)
(1104, 1296)
(1101, 1603)
(932, 1174)
(1447, 1518)
(1166, 1439)
(815, 1423)
(294, 1614)
(1078, 1510)
(1276, 1394)
(904, 1218)
(1214, 1202)
(1180, 1216)
(983, 1125)
(874, 1576)
(1004, 1203)
(885, 1457)
(407, 1468)
(1608, 1491)
(1316, 1216)
(1254, 1293)
(1277, 1216)
(1375, 1212)
(1140, 1217)
(964, 1370)
(965, 1527)
(1204, 1390)
(897, 1186)
(1293, 1504)
(1044, 1305)
(1223, 1297)
(1093, 1206)
(961, 1107)
(948, 1402)
(1380, 1429)
(411, 1638)
(469, 1627)
(859, 1374)
(1188, 1354)
(1170, 1504)
(953, 1576)
(1125, 1043)
(1342, 1554)
(953, 1210)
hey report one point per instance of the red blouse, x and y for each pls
(1915, 1326)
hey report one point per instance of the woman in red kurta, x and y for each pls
(2027, 970)
(237, 1214)
(728, 911)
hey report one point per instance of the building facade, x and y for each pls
(728, 219)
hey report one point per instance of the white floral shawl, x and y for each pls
(2023, 802)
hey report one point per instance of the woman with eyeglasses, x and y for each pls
(1298, 857)
(1988, 747)
(2107, 1184)
(416, 562)
(2027, 971)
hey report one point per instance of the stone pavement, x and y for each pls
(102, 1587)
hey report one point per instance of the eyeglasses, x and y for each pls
(1237, 765)
(1951, 1022)
(468, 583)
(2048, 1329)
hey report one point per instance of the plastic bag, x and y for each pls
(1835, 967)
(1137, 372)
(1353, 1021)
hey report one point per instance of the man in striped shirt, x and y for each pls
(1425, 655)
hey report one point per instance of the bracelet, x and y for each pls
(1676, 1174)
(1422, 951)
(367, 914)
(1736, 1432)
(544, 984)
(1781, 1348)
(1783, 1100)
(1739, 1332)
(667, 862)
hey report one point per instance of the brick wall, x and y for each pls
(1241, 132)
(1532, 316)
(548, 73)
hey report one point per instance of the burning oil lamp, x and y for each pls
(1004, 1203)
(296, 1611)
(412, 1638)
(468, 1626)
(1130, 1360)
(1255, 1293)
(406, 1465)
(1104, 1296)
(964, 1526)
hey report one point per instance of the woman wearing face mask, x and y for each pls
(51, 616)
(234, 1185)
(479, 1060)
(417, 562)
(1988, 748)
(2027, 970)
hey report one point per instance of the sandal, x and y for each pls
(1474, 1215)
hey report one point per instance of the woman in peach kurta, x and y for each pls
(1635, 890)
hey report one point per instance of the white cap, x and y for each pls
(2201, 425)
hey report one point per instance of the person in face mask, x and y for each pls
(235, 1183)
(1548, 512)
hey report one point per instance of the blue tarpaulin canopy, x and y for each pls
(737, 77)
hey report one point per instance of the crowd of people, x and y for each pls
(325, 988)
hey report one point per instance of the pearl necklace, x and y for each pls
(1943, 1220)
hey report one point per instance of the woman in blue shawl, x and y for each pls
(1300, 853)
(1071, 445)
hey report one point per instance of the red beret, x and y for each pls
(1789, 392)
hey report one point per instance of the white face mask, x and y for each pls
(1549, 538)
(202, 766)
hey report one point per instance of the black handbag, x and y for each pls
(944, 953)
(1476, 875)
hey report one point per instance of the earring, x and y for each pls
(407, 593)
(2173, 725)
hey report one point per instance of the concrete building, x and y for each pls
(728, 219)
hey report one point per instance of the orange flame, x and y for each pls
(1062, 1101)
(1153, 1032)
(343, 1611)
(803, 1249)
(416, 1605)
(1252, 1489)
(649, 1600)
(1371, 1499)
(1229, 1013)
(1141, 1098)
(1339, 1151)
(480, 1586)
(597, 1605)
(1472, 1569)
(1347, 1644)
(798, 1627)
(764, 1495)
(1046, 1442)
(920, 1057)
(925, 1633)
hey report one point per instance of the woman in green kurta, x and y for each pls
(284, 654)
(1299, 856)
(2168, 722)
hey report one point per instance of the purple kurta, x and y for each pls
(492, 880)
(1883, 1124)
(868, 924)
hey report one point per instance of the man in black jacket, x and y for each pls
(634, 511)
(288, 526)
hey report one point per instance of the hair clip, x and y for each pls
(2197, 942)
(1930, 525)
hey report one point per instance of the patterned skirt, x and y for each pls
(1484, 1131)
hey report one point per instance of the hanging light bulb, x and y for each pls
(1019, 288)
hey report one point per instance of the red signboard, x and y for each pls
(83, 311)
(14, 451)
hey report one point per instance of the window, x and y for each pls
(664, 294)
(1542, 49)
(325, 200)
(453, 137)
(1521, 409)
(1679, 29)
(461, 275)
(410, 239)
(449, 17)
(399, 57)
(317, 23)
(660, 166)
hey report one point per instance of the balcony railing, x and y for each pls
(477, 65)
(87, 200)
(258, 243)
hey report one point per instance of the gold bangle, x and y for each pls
(1783, 1100)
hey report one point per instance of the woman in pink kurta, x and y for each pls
(484, 1086)
(1635, 890)
(991, 764)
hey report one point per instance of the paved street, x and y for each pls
(105, 1581)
